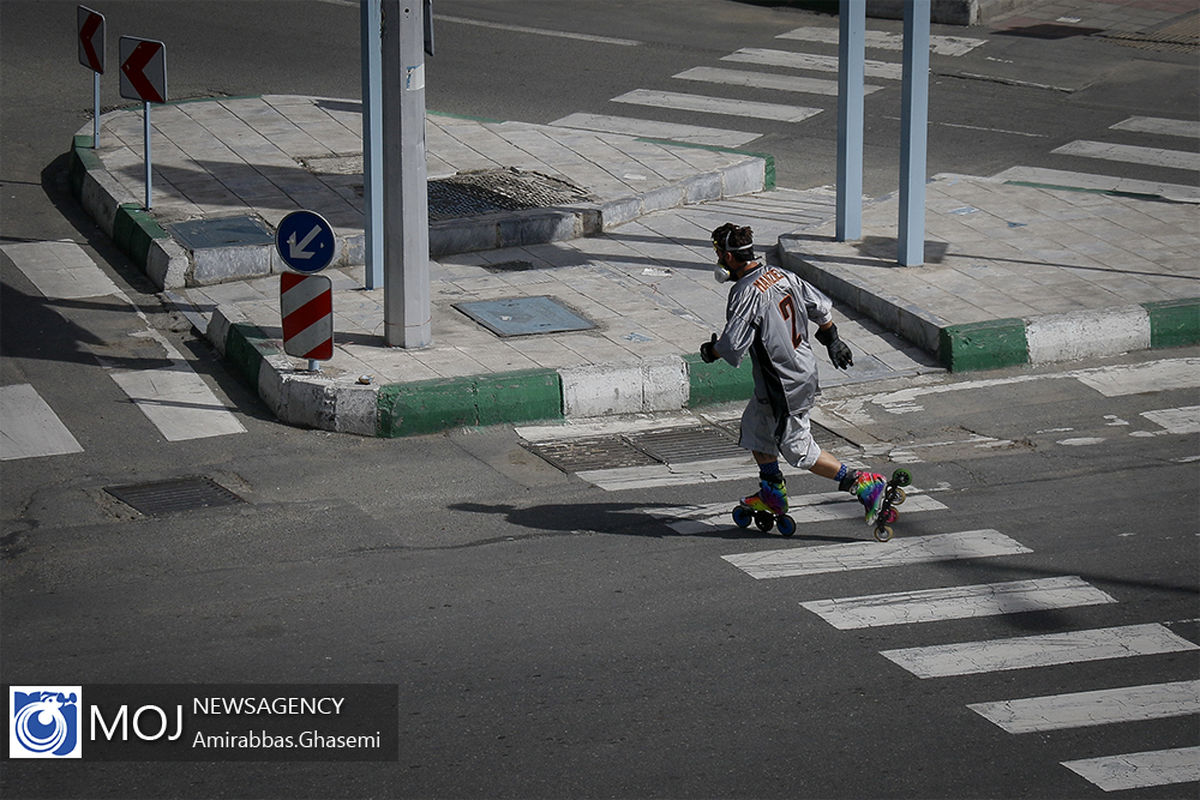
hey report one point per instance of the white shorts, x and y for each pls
(790, 437)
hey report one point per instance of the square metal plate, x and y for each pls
(523, 316)
(200, 234)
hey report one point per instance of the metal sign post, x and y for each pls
(852, 32)
(370, 18)
(90, 25)
(914, 122)
(144, 77)
(407, 320)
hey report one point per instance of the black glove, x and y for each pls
(708, 350)
(839, 351)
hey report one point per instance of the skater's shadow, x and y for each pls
(624, 519)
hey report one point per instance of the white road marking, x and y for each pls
(1139, 770)
(681, 474)
(717, 105)
(1176, 420)
(60, 270)
(1104, 183)
(1085, 709)
(1133, 154)
(1127, 379)
(882, 40)
(967, 658)
(1112, 381)
(874, 555)
(1160, 125)
(670, 131)
(958, 602)
(29, 428)
(809, 508)
(766, 80)
(499, 26)
(175, 398)
(810, 61)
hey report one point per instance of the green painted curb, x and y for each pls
(519, 396)
(133, 231)
(83, 158)
(245, 347)
(717, 382)
(1174, 323)
(406, 409)
(983, 345)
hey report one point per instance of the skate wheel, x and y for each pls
(890, 516)
(883, 534)
(787, 525)
(742, 517)
(764, 520)
(899, 497)
(902, 477)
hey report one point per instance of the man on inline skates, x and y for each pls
(767, 314)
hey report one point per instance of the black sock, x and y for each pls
(770, 472)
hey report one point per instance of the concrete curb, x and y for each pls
(170, 266)
(133, 230)
(298, 397)
(996, 343)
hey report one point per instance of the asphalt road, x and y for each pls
(550, 638)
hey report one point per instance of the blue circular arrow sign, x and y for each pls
(305, 241)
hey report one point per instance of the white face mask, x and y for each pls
(721, 274)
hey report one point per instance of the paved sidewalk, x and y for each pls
(1015, 273)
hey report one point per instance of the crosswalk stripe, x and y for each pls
(682, 474)
(957, 602)
(810, 61)
(873, 555)
(883, 40)
(60, 270)
(681, 101)
(1176, 420)
(29, 428)
(1104, 183)
(175, 399)
(766, 80)
(804, 509)
(1085, 709)
(967, 658)
(1128, 379)
(1130, 153)
(1159, 125)
(1140, 770)
(650, 129)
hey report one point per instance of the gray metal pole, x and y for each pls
(372, 130)
(95, 110)
(852, 33)
(407, 321)
(146, 140)
(914, 123)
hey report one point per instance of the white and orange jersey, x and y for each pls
(768, 314)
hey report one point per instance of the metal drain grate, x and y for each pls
(679, 445)
(523, 316)
(472, 193)
(179, 494)
(597, 452)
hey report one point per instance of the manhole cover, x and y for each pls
(679, 445)
(221, 232)
(599, 452)
(522, 316)
(179, 494)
